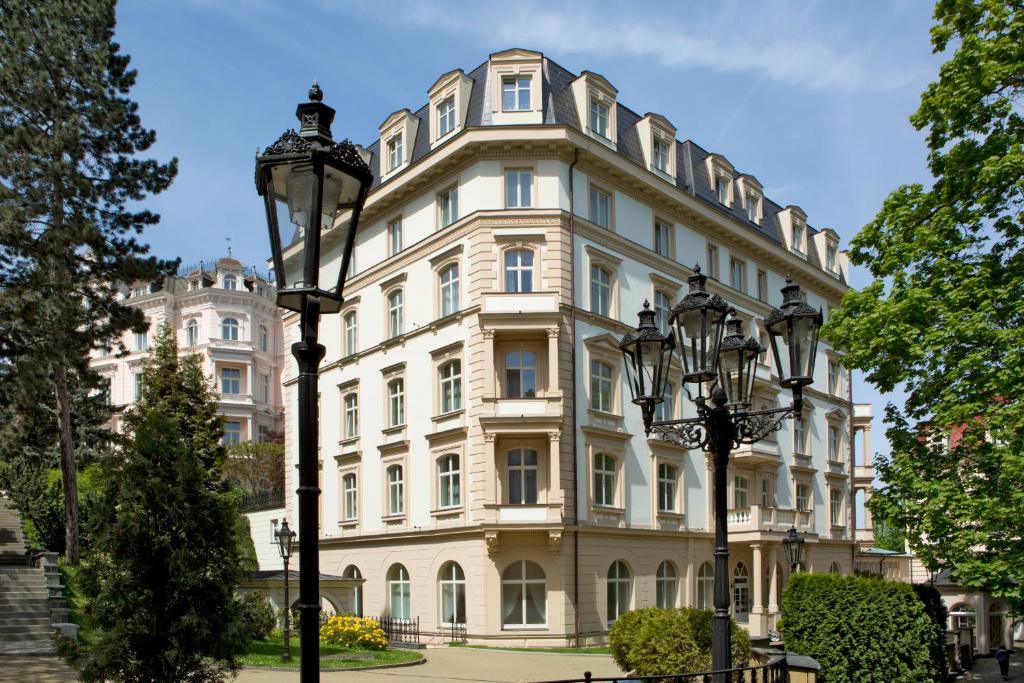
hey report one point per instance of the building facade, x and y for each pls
(227, 314)
(481, 463)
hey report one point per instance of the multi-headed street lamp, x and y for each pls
(309, 182)
(717, 359)
(285, 542)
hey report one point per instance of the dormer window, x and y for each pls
(598, 117)
(515, 93)
(797, 240)
(722, 187)
(830, 258)
(661, 155)
(446, 116)
(753, 209)
(395, 152)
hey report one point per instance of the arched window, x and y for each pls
(396, 490)
(522, 476)
(604, 480)
(741, 589)
(350, 333)
(396, 402)
(453, 594)
(350, 509)
(399, 592)
(451, 386)
(264, 339)
(662, 308)
(449, 481)
(524, 599)
(519, 270)
(705, 586)
(352, 572)
(667, 478)
(619, 584)
(229, 329)
(600, 291)
(449, 289)
(834, 568)
(396, 317)
(192, 333)
(230, 282)
(666, 585)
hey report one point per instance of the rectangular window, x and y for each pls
(600, 291)
(348, 487)
(762, 286)
(449, 485)
(519, 270)
(518, 189)
(446, 116)
(138, 386)
(394, 236)
(833, 443)
(598, 117)
(799, 437)
(600, 386)
(350, 333)
(396, 402)
(711, 270)
(395, 155)
(351, 416)
(666, 488)
(798, 237)
(265, 388)
(722, 188)
(803, 497)
(660, 155)
(830, 258)
(664, 410)
(663, 238)
(141, 341)
(522, 476)
(738, 274)
(753, 204)
(520, 374)
(448, 206)
(230, 381)
(766, 493)
(396, 310)
(600, 207)
(449, 289)
(834, 378)
(604, 480)
(739, 493)
(515, 93)
(232, 432)
(396, 490)
(836, 505)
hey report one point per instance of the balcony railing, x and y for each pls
(759, 518)
(262, 500)
(773, 672)
(399, 630)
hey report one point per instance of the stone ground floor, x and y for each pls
(517, 586)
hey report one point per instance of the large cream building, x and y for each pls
(224, 312)
(481, 463)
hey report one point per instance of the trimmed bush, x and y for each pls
(654, 641)
(936, 610)
(355, 632)
(860, 629)
(259, 615)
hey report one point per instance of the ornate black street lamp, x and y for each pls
(285, 541)
(309, 181)
(793, 546)
(717, 358)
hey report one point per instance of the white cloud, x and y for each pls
(776, 41)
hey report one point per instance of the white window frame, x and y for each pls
(517, 91)
(599, 399)
(520, 471)
(523, 368)
(395, 152)
(600, 290)
(450, 386)
(233, 436)
(713, 256)
(738, 267)
(398, 577)
(524, 584)
(705, 586)
(192, 333)
(234, 382)
(605, 480)
(395, 489)
(396, 312)
(453, 477)
(230, 329)
(599, 117)
(452, 586)
(350, 403)
(449, 292)
(835, 505)
(663, 242)
(446, 117)
(668, 487)
(447, 206)
(660, 154)
(518, 269)
(518, 188)
(350, 497)
(666, 581)
(350, 321)
(597, 197)
(395, 236)
(619, 578)
(396, 402)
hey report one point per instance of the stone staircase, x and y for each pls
(31, 594)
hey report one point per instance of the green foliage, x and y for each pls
(360, 633)
(165, 565)
(943, 316)
(653, 641)
(888, 536)
(259, 615)
(860, 629)
(936, 611)
(257, 466)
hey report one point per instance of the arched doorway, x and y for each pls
(996, 632)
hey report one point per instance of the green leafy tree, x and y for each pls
(70, 167)
(165, 563)
(943, 315)
(256, 466)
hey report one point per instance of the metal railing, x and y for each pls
(772, 672)
(453, 633)
(399, 630)
(210, 266)
(262, 500)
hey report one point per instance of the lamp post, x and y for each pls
(717, 358)
(285, 541)
(309, 181)
(793, 545)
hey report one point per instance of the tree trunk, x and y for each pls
(67, 465)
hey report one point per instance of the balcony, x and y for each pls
(764, 452)
(515, 302)
(241, 345)
(540, 513)
(522, 407)
(759, 518)
(235, 399)
(865, 474)
(801, 520)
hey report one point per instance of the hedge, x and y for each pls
(659, 642)
(861, 629)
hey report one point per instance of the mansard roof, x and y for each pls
(559, 108)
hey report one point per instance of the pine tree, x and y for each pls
(70, 139)
(165, 561)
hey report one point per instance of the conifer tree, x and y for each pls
(165, 559)
(70, 175)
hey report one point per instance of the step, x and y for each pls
(35, 648)
(25, 604)
(24, 630)
(35, 620)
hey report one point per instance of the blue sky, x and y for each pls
(812, 98)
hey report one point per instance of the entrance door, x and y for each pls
(995, 631)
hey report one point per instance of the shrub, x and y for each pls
(936, 611)
(259, 615)
(654, 641)
(860, 629)
(354, 632)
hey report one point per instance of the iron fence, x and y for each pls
(262, 500)
(399, 630)
(453, 633)
(773, 672)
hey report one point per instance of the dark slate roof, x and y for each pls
(559, 108)
(293, 576)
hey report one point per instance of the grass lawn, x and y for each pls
(599, 650)
(76, 604)
(268, 653)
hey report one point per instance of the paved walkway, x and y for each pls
(986, 669)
